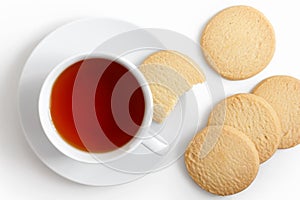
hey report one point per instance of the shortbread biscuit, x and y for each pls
(169, 74)
(229, 167)
(283, 94)
(238, 42)
(253, 116)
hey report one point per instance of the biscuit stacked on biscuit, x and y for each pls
(253, 116)
(225, 168)
(283, 94)
(243, 130)
(269, 119)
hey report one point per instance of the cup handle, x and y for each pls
(157, 145)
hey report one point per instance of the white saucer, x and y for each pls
(97, 35)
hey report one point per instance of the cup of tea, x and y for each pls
(96, 108)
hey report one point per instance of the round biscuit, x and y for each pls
(253, 116)
(238, 42)
(221, 160)
(283, 94)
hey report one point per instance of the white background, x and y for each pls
(25, 23)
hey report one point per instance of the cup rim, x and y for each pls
(64, 147)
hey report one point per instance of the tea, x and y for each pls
(84, 112)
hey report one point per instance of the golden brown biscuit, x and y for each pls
(169, 74)
(283, 94)
(222, 160)
(253, 116)
(238, 42)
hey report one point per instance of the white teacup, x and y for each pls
(154, 143)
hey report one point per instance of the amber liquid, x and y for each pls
(84, 111)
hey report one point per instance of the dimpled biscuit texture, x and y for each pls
(253, 116)
(283, 94)
(238, 42)
(229, 167)
(169, 74)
